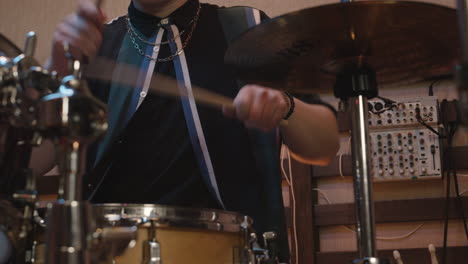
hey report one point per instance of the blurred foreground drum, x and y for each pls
(178, 235)
(11, 240)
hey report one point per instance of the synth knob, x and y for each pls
(400, 149)
(423, 170)
(380, 172)
(410, 148)
(401, 171)
(390, 171)
(378, 106)
(411, 171)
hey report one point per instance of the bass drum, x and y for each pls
(177, 235)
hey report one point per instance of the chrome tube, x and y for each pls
(362, 178)
(71, 166)
(30, 45)
(70, 225)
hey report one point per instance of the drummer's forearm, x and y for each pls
(311, 133)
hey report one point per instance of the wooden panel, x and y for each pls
(401, 211)
(394, 236)
(455, 255)
(302, 183)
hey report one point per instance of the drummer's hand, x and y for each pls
(82, 31)
(259, 107)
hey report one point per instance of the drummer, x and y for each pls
(166, 151)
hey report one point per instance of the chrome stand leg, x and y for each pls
(73, 118)
(362, 179)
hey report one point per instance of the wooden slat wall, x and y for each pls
(419, 255)
(392, 211)
(302, 183)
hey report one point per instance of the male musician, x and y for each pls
(169, 151)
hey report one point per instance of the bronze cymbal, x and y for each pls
(8, 48)
(302, 51)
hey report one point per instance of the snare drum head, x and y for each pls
(169, 216)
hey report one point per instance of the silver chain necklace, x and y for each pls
(132, 34)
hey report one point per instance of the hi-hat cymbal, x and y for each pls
(302, 51)
(8, 48)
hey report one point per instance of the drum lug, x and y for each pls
(267, 255)
(152, 248)
(247, 256)
(252, 252)
(269, 241)
(151, 252)
(31, 254)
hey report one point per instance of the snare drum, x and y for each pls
(176, 235)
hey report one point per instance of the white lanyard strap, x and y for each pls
(152, 64)
(192, 118)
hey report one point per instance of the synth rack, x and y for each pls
(402, 148)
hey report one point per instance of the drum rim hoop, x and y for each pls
(175, 216)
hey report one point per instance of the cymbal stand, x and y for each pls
(73, 118)
(354, 85)
(17, 77)
(17, 117)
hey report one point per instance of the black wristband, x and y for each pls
(291, 105)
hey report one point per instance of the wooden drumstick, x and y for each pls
(85, 58)
(397, 257)
(103, 69)
(432, 252)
